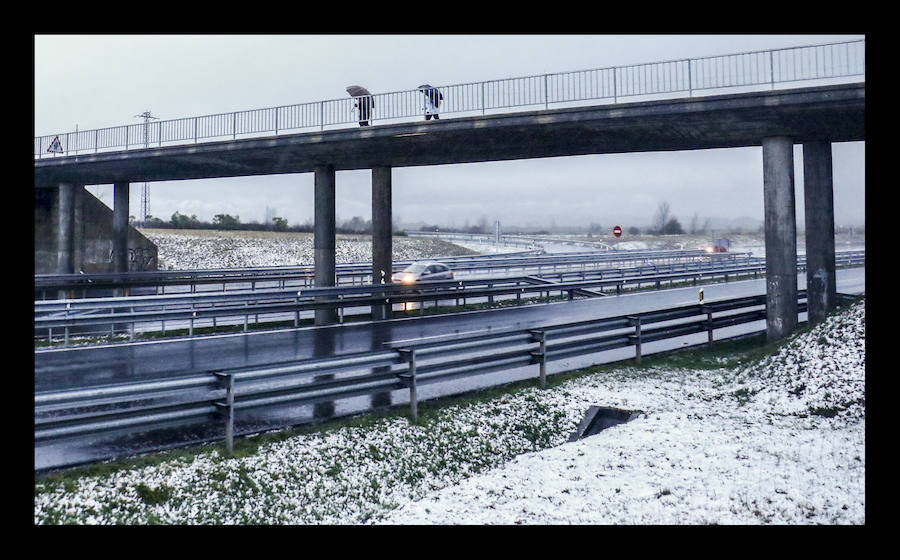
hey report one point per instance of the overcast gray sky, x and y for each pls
(96, 81)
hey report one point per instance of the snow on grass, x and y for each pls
(778, 440)
(204, 249)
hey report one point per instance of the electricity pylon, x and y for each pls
(145, 190)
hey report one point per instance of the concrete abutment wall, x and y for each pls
(85, 240)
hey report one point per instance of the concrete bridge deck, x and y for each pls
(822, 113)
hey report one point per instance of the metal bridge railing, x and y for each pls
(748, 69)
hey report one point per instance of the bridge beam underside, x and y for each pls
(821, 283)
(382, 247)
(781, 236)
(324, 237)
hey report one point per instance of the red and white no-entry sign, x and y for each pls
(617, 231)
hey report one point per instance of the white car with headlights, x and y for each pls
(422, 271)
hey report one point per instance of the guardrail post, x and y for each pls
(541, 354)
(228, 409)
(409, 379)
(66, 330)
(636, 323)
(709, 326)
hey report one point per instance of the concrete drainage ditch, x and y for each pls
(598, 418)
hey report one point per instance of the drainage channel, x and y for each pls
(598, 418)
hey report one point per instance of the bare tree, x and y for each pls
(662, 216)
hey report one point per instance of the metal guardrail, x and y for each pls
(46, 284)
(513, 239)
(124, 314)
(201, 397)
(747, 69)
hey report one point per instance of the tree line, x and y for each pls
(228, 222)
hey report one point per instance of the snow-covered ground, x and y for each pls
(731, 440)
(783, 441)
(203, 249)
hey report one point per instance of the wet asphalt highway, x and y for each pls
(99, 365)
(79, 367)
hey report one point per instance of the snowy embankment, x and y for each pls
(777, 440)
(203, 249)
(780, 441)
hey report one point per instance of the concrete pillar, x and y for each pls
(78, 228)
(821, 284)
(323, 238)
(120, 227)
(65, 228)
(781, 237)
(381, 234)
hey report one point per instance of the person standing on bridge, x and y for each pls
(364, 102)
(433, 98)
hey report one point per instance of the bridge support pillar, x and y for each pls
(324, 238)
(120, 227)
(381, 234)
(781, 236)
(821, 284)
(65, 229)
(78, 228)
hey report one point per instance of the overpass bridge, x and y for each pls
(588, 117)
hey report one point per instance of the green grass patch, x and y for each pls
(154, 496)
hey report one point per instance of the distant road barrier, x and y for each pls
(47, 286)
(122, 314)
